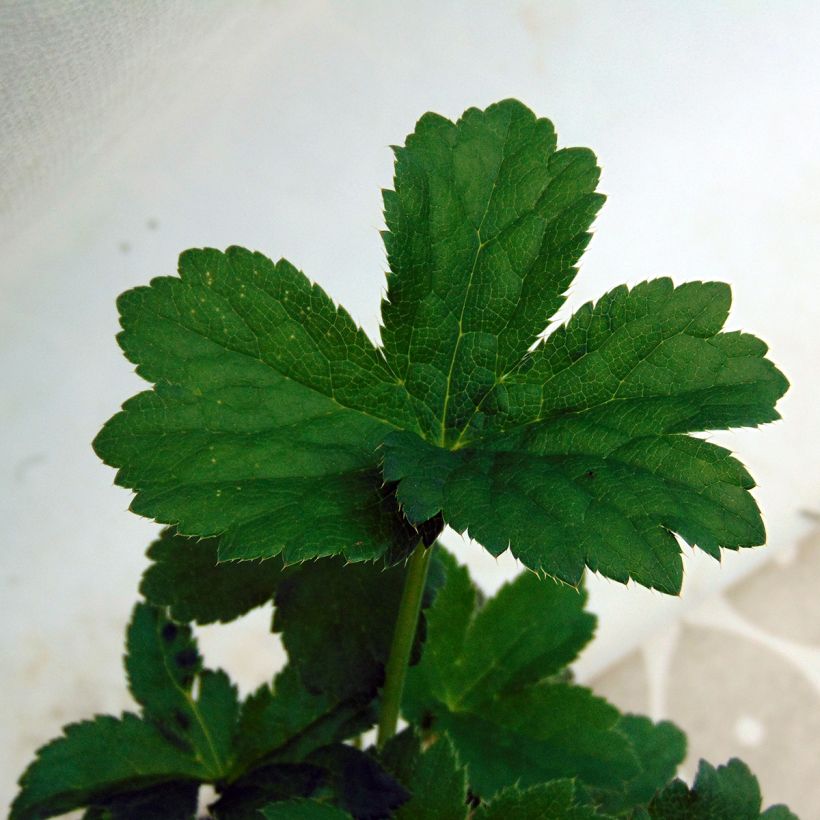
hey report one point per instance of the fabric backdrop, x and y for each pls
(131, 130)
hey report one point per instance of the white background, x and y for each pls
(130, 131)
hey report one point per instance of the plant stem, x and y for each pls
(407, 621)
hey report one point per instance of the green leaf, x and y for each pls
(352, 779)
(485, 225)
(163, 663)
(358, 782)
(547, 801)
(303, 810)
(279, 729)
(98, 759)
(435, 779)
(530, 630)
(341, 647)
(245, 797)
(730, 790)
(271, 407)
(268, 408)
(544, 732)
(287, 723)
(660, 747)
(185, 576)
(492, 688)
(527, 632)
(579, 457)
(170, 801)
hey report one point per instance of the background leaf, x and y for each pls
(547, 801)
(660, 748)
(303, 810)
(286, 723)
(98, 759)
(186, 577)
(170, 801)
(730, 790)
(340, 646)
(163, 663)
(490, 685)
(436, 781)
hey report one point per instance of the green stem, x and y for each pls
(407, 622)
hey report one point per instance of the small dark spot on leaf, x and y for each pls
(187, 658)
(426, 722)
(183, 721)
(590, 473)
(473, 800)
(169, 632)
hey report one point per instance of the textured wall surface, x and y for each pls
(129, 131)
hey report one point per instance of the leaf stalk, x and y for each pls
(407, 621)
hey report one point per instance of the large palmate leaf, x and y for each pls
(272, 409)
(485, 225)
(726, 791)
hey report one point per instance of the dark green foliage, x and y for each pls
(341, 645)
(488, 684)
(303, 810)
(183, 567)
(718, 793)
(660, 747)
(437, 782)
(296, 461)
(358, 782)
(163, 663)
(547, 801)
(271, 408)
(509, 737)
(89, 763)
(170, 801)
(340, 648)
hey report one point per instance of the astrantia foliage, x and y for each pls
(271, 407)
(497, 729)
(297, 463)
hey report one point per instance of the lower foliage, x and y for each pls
(497, 729)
